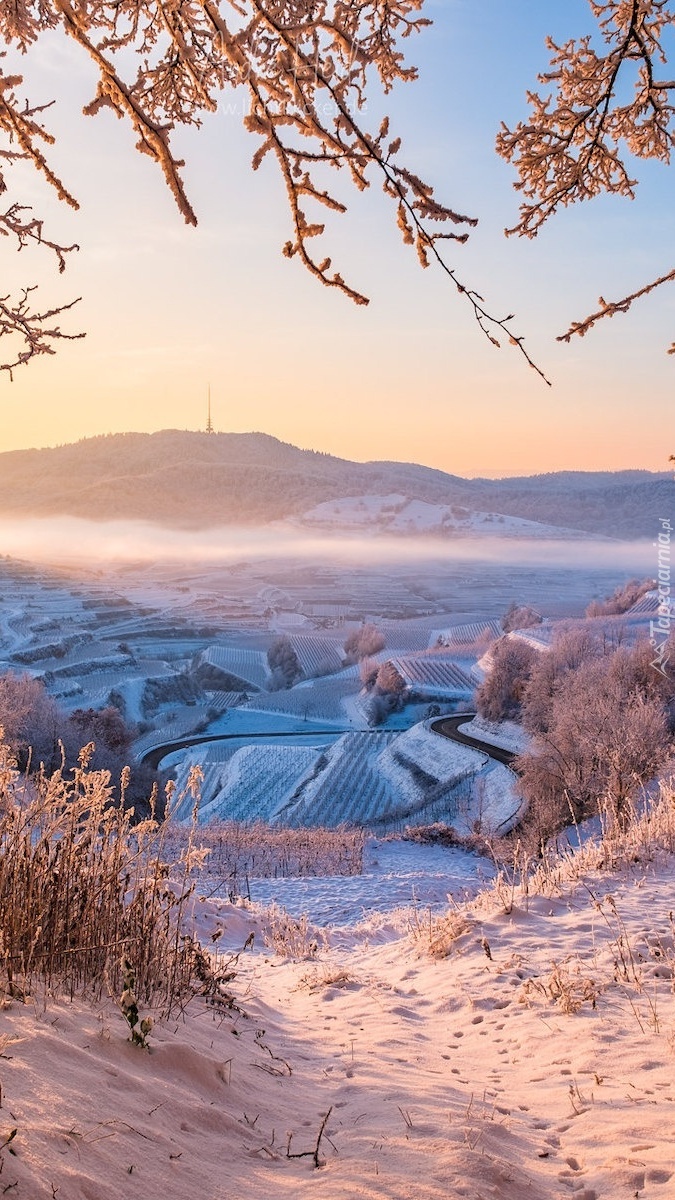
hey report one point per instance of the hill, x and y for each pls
(185, 479)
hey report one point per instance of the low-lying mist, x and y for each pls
(70, 541)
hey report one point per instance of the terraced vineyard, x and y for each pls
(248, 665)
(465, 635)
(319, 701)
(221, 701)
(252, 784)
(435, 675)
(348, 789)
(317, 655)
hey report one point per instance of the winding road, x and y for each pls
(155, 754)
(449, 727)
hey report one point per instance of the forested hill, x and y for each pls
(195, 480)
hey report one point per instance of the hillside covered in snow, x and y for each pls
(184, 479)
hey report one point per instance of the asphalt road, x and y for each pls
(445, 726)
(449, 727)
(154, 756)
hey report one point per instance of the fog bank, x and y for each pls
(70, 541)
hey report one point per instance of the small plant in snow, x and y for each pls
(140, 1029)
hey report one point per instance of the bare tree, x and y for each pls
(572, 646)
(499, 696)
(31, 720)
(363, 642)
(583, 131)
(601, 743)
(307, 70)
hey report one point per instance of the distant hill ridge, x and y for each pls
(186, 479)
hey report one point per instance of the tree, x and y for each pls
(499, 696)
(387, 693)
(30, 719)
(572, 646)
(582, 136)
(363, 642)
(520, 616)
(307, 70)
(602, 742)
(283, 663)
(105, 726)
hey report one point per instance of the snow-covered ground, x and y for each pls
(397, 874)
(502, 1053)
(397, 514)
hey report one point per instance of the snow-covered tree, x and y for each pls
(306, 68)
(499, 696)
(364, 642)
(602, 743)
(607, 102)
(283, 663)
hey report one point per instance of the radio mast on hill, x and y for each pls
(209, 422)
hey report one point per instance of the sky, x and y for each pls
(170, 310)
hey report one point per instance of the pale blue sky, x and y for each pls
(170, 309)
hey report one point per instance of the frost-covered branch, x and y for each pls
(30, 332)
(306, 68)
(580, 135)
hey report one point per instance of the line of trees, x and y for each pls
(600, 716)
(39, 733)
(623, 598)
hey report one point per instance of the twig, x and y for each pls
(314, 1154)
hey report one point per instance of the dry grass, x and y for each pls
(83, 889)
(290, 937)
(237, 852)
(438, 936)
(566, 986)
(644, 835)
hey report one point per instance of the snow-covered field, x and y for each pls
(521, 1047)
(141, 647)
(396, 514)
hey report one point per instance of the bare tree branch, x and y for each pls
(306, 67)
(578, 139)
(612, 307)
(31, 328)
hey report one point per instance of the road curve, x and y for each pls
(155, 754)
(449, 727)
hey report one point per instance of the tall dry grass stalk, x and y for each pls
(642, 834)
(82, 887)
(238, 851)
